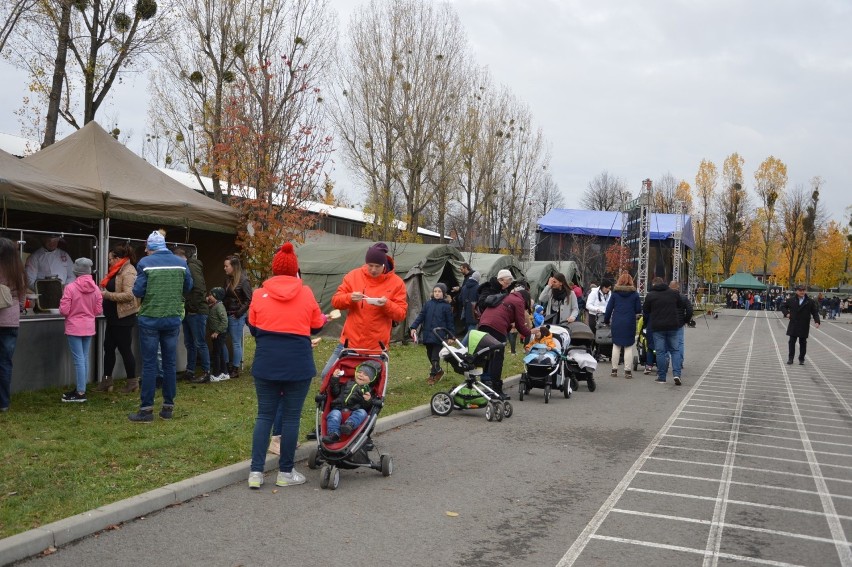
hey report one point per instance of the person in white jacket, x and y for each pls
(597, 301)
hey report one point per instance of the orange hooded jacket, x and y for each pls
(367, 325)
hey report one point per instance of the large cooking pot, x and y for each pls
(49, 292)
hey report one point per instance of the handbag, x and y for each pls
(5, 297)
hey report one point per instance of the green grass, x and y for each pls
(59, 459)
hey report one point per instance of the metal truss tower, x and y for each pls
(636, 233)
(677, 241)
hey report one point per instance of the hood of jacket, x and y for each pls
(282, 288)
(624, 290)
(86, 284)
(659, 287)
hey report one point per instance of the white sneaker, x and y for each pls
(255, 479)
(289, 479)
(223, 376)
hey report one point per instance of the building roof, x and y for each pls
(607, 224)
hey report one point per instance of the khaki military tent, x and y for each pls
(24, 187)
(489, 264)
(421, 266)
(538, 273)
(129, 188)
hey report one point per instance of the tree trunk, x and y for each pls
(58, 76)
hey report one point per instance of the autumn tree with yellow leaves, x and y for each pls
(770, 180)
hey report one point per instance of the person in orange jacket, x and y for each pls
(375, 297)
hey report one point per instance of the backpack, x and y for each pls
(492, 300)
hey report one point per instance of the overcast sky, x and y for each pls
(642, 88)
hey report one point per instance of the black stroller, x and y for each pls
(353, 450)
(642, 343)
(546, 368)
(468, 357)
(580, 363)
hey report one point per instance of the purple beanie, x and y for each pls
(377, 254)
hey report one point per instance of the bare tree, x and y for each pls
(792, 231)
(605, 193)
(666, 195)
(813, 224)
(11, 12)
(105, 38)
(401, 80)
(197, 66)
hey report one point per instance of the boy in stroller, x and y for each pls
(545, 342)
(356, 396)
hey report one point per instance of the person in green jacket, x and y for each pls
(217, 329)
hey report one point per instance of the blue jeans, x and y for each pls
(150, 340)
(272, 395)
(335, 354)
(8, 338)
(235, 330)
(80, 353)
(665, 343)
(334, 417)
(680, 333)
(194, 329)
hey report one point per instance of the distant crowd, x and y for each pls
(830, 307)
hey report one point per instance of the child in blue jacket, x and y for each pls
(436, 313)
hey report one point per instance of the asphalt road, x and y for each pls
(749, 462)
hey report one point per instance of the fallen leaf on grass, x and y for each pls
(452, 514)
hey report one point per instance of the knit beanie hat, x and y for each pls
(442, 287)
(476, 276)
(82, 266)
(218, 293)
(285, 262)
(369, 368)
(377, 254)
(156, 241)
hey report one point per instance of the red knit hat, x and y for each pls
(285, 262)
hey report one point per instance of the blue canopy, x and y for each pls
(607, 224)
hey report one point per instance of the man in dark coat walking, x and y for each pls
(799, 309)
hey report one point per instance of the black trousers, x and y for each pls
(432, 353)
(119, 337)
(495, 364)
(803, 347)
(218, 355)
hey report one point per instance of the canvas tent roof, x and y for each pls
(137, 190)
(421, 266)
(743, 280)
(489, 264)
(539, 272)
(608, 224)
(27, 188)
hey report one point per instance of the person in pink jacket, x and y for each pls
(81, 302)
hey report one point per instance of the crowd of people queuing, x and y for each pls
(166, 291)
(830, 306)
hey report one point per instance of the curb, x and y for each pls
(62, 532)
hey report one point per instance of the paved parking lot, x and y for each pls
(754, 466)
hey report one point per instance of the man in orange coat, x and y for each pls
(375, 297)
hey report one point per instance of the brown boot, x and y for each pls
(105, 385)
(131, 386)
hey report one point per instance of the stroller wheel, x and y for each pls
(590, 382)
(521, 390)
(508, 410)
(442, 404)
(547, 393)
(489, 412)
(334, 480)
(575, 384)
(498, 411)
(635, 363)
(325, 475)
(566, 392)
(313, 462)
(387, 465)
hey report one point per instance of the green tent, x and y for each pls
(489, 264)
(538, 273)
(421, 266)
(743, 280)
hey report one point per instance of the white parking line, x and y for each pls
(843, 551)
(726, 524)
(750, 455)
(744, 468)
(742, 558)
(741, 483)
(592, 527)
